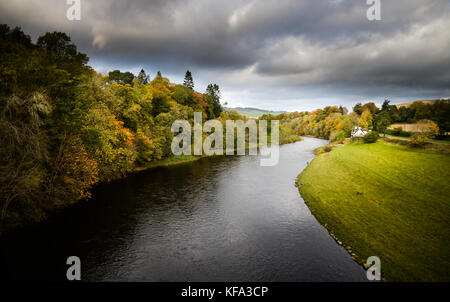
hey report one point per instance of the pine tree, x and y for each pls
(213, 93)
(188, 81)
(143, 77)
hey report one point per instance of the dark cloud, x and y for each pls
(267, 53)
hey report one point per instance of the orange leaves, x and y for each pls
(78, 172)
(125, 134)
(128, 136)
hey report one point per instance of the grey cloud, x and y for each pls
(294, 49)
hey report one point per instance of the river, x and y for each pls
(217, 219)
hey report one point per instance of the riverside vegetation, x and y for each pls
(64, 127)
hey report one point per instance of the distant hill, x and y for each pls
(253, 112)
(407, 104)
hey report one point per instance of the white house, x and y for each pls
(359, 132)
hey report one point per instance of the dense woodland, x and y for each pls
(64, 127)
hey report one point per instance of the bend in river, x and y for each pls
(216, 219)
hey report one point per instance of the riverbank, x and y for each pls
(177, 223)
(169, 161)
(385, 200)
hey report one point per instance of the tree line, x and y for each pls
(336, 123)
(64, 127)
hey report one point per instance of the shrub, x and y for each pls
(371, 137)
(419, 138)
(327, 148)
(426, 131)
(341, 136)
(337, 136)
(398, 131)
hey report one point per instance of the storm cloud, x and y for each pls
(288, 55)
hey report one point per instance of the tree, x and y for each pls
(426, 131)
(385, 105)
(442, 115)
(381, 121)
(184, 96)
(160, 104)
(371, 107)
(358, 108)
(143, 77)
(423, 111)
(406, 114)
(394, 113)
(365, 121)
(117, 76)
(58, 47)
(213, 99)
(371, 137)
(188, 81)
(23, 151)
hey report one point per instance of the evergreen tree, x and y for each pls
(385, 105)
(381, 121)
(143, 77)
(188, 81)
(213, 92)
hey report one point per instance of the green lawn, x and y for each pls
(388, 201)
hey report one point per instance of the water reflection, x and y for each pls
(217, 219)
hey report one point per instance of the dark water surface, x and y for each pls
(217, 219)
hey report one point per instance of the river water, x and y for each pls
(217, 219)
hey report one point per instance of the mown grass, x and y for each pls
(388, 201)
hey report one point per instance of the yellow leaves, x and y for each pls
(427, 126)
(143, 138)
(365, 121)
(135, 107)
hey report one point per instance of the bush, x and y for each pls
(398, 131)
(327, 148)
(426, 131)
(371, 137)
(337, 136)
(419, 139)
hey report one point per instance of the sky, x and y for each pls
(269, 54)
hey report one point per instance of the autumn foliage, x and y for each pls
(65, 127)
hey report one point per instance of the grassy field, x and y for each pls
(388, 201)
